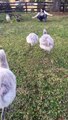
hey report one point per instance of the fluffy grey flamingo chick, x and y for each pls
(32, 39)
(7, 84)
(46, 41)
(3, 59)
(8, 18)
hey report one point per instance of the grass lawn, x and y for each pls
(42, 79)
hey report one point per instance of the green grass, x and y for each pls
(42, 79)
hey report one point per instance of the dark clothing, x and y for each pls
(42, 17)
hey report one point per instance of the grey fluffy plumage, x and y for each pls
(32, 39)
(7, 83)
(46, 41)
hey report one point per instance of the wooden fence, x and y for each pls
(29, 6)
(64, 7)
(24, 6)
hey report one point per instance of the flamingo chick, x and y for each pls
(32, 39)
(7, 18)
(3, 59)
(46, 41)
(7, 85)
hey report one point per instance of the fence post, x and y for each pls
(26, 6)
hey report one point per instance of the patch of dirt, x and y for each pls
(60, 118)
